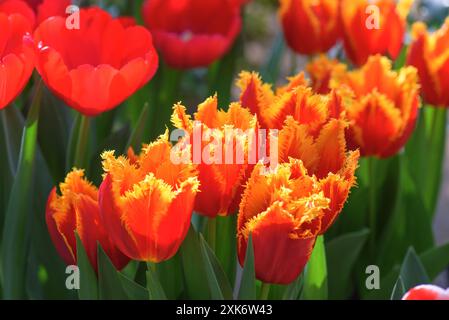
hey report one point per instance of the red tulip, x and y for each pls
(310, 26)
(45, 9)
(97, 67)
(365, 33)
(16, 56)
(428, 53)
(320, 71)
(283, 212)
(222, 182)
(426, 292)
(76, 209)
(385, 107)
(147, 201)
(36, 11)
(192, 33)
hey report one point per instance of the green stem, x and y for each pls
(151, 266)
(264, 291)
(372, 203)
(437, 143)
(8, 138)
(15, 238)
(136, 137)
(167, 96)
(81, 151)
(212, 232)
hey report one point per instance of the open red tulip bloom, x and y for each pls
(97, 67)
(16, 56)
(192, 33)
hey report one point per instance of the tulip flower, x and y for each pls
(261, 100)
(310, 26)
(147, 200)
(76, 209)
(96, 67)
(312, 129)
(373, 27)
(16, 56)
(45, 9)
(221, 181)
(325, 157)
(282, 211)
(428, 53)
(192, 33)
(384, 110)
(294, 99)
(36, 11)
(426, 292)
(320, 71)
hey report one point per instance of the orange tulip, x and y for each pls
(221, 181)
(294, 99)
(262, 101)
(320, 71)
(312, 129)
(310, 26)
(429, 54)
(384, 111)
(282, 211)
(373, 27)
(76, 209)
(326, 158)
(147, 200)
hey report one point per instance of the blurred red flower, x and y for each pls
(373, 27)
(429, 54)
(76, 209)
(426, 292)
(310, 26)
(16, 56)
(192, 33)
(96, 67)
(36, 11)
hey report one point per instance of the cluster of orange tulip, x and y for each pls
(146, 201)
(327, 121)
